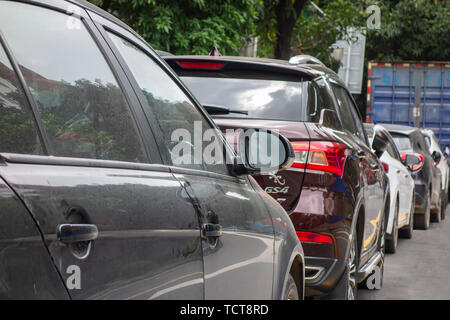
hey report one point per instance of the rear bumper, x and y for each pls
(323, 282)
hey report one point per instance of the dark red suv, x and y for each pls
(335, 192)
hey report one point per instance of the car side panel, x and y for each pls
(26, 268)
(149, 238)
(239, 263)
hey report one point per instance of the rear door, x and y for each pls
(238, 237)
(89, 165)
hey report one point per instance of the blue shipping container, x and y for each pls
(411, 94)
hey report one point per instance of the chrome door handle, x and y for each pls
(212, 230)
(70, 233)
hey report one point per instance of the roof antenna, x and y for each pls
(214, 52)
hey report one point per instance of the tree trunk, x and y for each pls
(287, 13)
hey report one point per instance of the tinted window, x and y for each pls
(174, 112)
(428, 141)
(18, 132)
(421, 144)
(262, 99)
(79, 100)
(356, 117)
(402, 142)
(348, 122)
(392, 152)
(318, 99)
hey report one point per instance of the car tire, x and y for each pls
(346, 288)
(407, 232)
(444, 205)
(291, 290)
(422, 221)
(391, 244)
(436, 214)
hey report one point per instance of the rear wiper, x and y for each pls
(213, 109)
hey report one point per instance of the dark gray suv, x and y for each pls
(95, 200)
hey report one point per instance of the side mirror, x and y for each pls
(436, 157)
(262, 150)
(329, 118)
(413, 161)
(446, 152)
(380, 142)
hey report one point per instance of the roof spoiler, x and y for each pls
(305, 59)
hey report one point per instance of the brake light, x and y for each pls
(304, 236)
(320, 155)
(413, 167)
(385, 166)
(200, 65)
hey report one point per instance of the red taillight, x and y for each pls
(320, 155)
(200, 65)
(385, 166)
(413, 167)
(304, 236)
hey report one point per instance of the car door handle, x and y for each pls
(70, 233)
(397, 171)
(212, 230)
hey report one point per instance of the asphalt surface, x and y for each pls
(420, 269)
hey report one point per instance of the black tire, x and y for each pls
(436, 214)
(422, 220)
(391, 244)
(291, 290)
(444, 205)
(407, 232)
(346, 288)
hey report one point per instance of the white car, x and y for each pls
(442, 165)
(401, 188)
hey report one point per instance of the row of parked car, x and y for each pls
(104, 194)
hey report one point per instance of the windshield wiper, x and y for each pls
(217, 110)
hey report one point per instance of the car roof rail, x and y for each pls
(305, 59)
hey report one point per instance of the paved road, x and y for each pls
(420, 269)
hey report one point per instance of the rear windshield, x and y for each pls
(258, 98)
(402, 142)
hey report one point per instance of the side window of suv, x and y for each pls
(18, 131)
(190, 140)
(319, 98)
(354, 111)
(81, 105)
(348, 122)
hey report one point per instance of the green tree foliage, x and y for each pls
(411, 30)
(188, 26)
(315, 33)
(276, 25)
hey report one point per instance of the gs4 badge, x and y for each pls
(276, 190)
